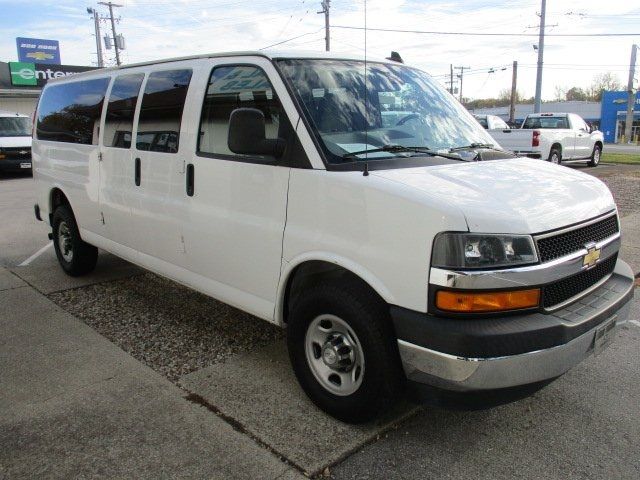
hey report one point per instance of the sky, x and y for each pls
(156, 29)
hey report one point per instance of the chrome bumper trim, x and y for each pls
(466, 374)
(532, 275)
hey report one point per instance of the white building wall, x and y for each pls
(19, 105)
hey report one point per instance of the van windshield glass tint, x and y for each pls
(390, 105)
(70, 112)
(15, 127)
(120, 110)
(161, 111)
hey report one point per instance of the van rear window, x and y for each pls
(70, 112)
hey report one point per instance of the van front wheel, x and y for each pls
(75, 256)
(344, 352)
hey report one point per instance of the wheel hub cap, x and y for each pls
(334, 355)
(64, 241)
(337, 353)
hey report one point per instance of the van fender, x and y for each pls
(288, 267)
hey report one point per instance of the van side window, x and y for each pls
(70, 112)
(120, 110)
(238, 86)
(161, 111)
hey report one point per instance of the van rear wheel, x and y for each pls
(344, 352)
(75, 256)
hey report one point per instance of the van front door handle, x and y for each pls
(190, 180)
(137, 172)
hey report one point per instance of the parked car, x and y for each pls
(271, 183)
(557, 137)
(15, 142)
(491, 122)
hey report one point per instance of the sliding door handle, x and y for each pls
(137, 172)
(190, 179)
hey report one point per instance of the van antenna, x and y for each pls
(366, 97)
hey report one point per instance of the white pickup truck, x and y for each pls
(557, 137)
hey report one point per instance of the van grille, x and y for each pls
(22, 153)
(566, 243)
(562, 290)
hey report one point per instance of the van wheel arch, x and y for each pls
(57, 198)
(313, 272)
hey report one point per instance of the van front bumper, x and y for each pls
(479, 354)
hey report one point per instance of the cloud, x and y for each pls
(157, 29)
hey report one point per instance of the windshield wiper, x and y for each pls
(394, 148)
(475, 145)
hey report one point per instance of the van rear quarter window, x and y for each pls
(120, 110)
(161, 111)
(70, 112)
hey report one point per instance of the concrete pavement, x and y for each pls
(72, 404)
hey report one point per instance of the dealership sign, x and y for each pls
(38, 50)
(36, 74)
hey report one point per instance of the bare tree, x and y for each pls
(603, 82)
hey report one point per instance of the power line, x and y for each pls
(113, 28)
(489, 34)
(291, 39)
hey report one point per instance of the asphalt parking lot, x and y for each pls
(154, 380)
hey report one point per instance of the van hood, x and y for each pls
(13, 142)
(510, 196)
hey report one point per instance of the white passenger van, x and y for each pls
(341, 206)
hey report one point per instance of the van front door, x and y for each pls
(237, 203)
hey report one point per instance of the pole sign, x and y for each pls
(25, 74)
(38, 50)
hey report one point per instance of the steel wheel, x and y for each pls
(555, 158)
(334, 354)
(64, 241)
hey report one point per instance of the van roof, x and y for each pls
(270, 54)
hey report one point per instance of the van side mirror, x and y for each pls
(247, 134)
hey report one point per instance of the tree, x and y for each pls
(603, 82)
(560, 93)
(576, 93)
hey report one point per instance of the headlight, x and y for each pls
(473, 250)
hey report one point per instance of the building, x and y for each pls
(614, 116)
(22, 82)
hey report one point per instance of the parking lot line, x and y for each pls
(36, 255)
(635, 322)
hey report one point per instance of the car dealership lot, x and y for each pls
(584, 425)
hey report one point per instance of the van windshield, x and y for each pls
(392, 106)
(15, 127)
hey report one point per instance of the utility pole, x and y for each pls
(538, 100)
(462, 69)
(631, 99)
(326, 4)
(451, 78)
(113, 28)
(96, 25)
(514, 92)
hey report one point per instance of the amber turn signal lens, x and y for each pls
(463, 302)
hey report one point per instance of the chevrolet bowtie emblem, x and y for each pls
(23, 152)
(592, 257)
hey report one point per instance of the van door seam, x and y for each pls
(284, 228)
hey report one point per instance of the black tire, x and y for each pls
(555, 156)
(368, 316)
(66, 240)
(595, 156)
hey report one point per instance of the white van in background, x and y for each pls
(15, 142)
(341, 207)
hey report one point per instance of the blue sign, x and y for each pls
(38, 50)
